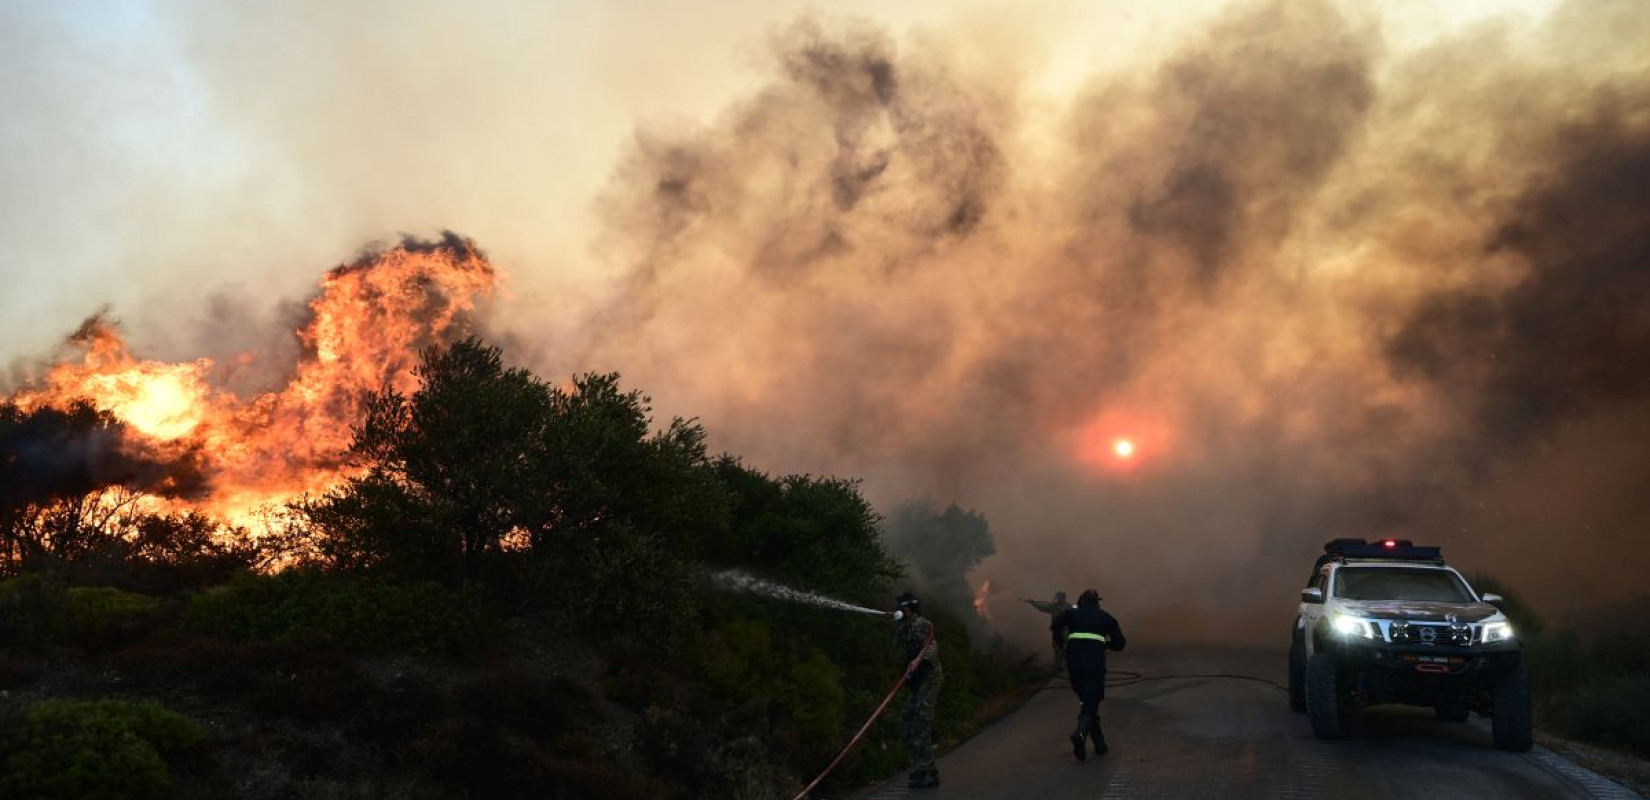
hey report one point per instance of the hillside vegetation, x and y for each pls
(1593, 689)
(509, 600)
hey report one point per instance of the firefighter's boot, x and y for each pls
(1084, 723)
(1098, 736)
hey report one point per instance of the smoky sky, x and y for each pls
(1333, 289)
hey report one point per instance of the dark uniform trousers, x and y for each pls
(917, 723)
(1087, 633)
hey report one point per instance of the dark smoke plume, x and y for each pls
(51, 454)
(1572, 337)
(1330, 287)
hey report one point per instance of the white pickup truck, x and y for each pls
(1385, 621)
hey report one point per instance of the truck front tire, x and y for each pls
(1323, 706)
(1511, 725)
(1297, 675)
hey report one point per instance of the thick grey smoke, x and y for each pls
(1329, 289)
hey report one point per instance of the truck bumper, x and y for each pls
(1423, 675)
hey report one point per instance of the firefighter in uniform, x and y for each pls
(1052, 608)
(916, 641)
(1086, 632)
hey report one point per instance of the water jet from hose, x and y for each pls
(741, 581)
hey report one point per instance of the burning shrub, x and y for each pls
(112, 749)
(64, 478)
(941, 547)
(171, 552)
(559, 499)
(453, 469)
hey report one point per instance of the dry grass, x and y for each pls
(1624, 768)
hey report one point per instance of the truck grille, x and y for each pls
(1430, 632)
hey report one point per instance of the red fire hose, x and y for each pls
(860, 734)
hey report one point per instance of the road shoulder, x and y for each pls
(1628, 770)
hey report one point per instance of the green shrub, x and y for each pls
(1623, 654)
(1614, 713)
(1558, 662)
(98, 616)
(621, 574)
(27, 605)
(798, 688)
(96, 750)
(36, 609)
(473, 759)
(359, 614)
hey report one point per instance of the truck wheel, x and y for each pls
(1511, 724)
(1453, 711)
(1297, 675)
(1323, 706)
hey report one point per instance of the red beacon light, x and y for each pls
(1390, 543)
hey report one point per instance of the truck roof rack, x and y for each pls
(1381, 549)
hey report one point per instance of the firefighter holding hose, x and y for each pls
(1085, 632)
(916, 641)
(1052, 609)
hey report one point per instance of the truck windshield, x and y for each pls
(1399, 583)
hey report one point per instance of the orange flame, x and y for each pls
(981, 600)
(366, 327)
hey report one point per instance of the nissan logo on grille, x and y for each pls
(1429, 635)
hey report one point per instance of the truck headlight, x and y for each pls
(1497, 632)
(1354, 627)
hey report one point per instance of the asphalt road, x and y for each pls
(1232, 738)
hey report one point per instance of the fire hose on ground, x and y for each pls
(881, 707)
(1127, 678)
(1113, 678)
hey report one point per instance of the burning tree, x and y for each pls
(73, 500)
(450, 470)
(363, 333)
(65, 483)
(941, 547)
(106, 456)
(486, 474)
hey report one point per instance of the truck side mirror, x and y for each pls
(1492, 599)
(1312, 595)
